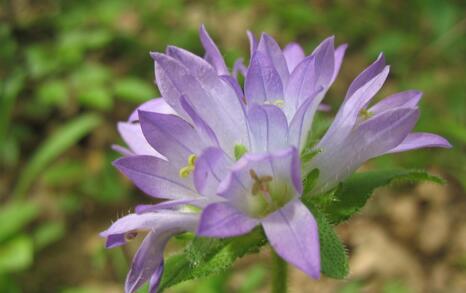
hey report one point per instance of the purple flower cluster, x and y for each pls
(227, 158)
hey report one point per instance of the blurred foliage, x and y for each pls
(70, 69)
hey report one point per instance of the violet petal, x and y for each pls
(223, 220)
(156, 177)
(292, 232)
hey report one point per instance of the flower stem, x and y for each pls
(279, 274)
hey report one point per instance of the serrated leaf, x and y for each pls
(353, 194)
(334, 259)
(206, 256)
(310, 180)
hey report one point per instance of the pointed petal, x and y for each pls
(407, 99)
(382, 131)
(325, 62)
(223, 220)
(293, 54)
(210, 96)
(206, 134)
(170, 205)
(171, 136)
(283, 166)
(269, 47)
(158, 105)
(161, 221)
(262, 83)
(368, 74)
(233, 82)
(155, 279)
(135, 140)
(313, 73)
(292, 232)
(339, 55)
(156, 177)
(239, 67)
(371, 138)
(147, 261)
(348, 113)
(122, 150)
(252, 43)
(301, 85)
(170, 89)
(419, 140)
(301, 123)
(115, 240)
(213, 55)
(211, 167)
(268, 128)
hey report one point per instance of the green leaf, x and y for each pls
(48, 233)
(308, 153)
(134, 90)
(14, 216)
(61, 140)
(90, 75)
(334, 259)
(65, 173)
(41, 60)
(16, 255)
(98, 98)
(9, 90)
(205, 256)
(310, 181)
(353, 194)
(53, 93)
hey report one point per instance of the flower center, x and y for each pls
(267, 195)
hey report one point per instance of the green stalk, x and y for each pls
(279, 274)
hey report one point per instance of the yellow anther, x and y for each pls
(192, 159)
(188, 169)
(279, 103)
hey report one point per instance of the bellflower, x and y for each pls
(226, 158)
(361, 131)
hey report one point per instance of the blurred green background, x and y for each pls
(69, 70)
